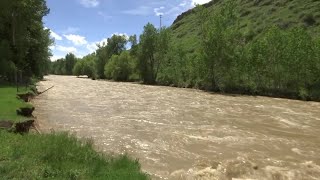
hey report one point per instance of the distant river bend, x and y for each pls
(185, 133)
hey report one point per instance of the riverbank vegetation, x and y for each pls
(281, 61)
(24, 41)
(55, 155)
(24, 54)
(9, 103)
(60, 156)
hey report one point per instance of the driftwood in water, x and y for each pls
(46, 90)
(25, 111)
(19, 127)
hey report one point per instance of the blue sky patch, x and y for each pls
(78, 25)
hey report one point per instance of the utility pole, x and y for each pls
(160, 21)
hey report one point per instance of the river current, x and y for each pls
(186, 133)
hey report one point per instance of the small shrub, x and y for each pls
(291, 7)
(245, 13)
(303, 93)
(309, 20)
(266, 3)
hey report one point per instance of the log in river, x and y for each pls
(185, 133)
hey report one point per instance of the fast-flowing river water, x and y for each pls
(185, 133)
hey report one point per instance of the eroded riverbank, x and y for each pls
(185, 133)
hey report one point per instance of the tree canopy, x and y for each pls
(24, 41)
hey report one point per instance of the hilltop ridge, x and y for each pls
(255, 16)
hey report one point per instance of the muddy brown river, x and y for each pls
(185, 133)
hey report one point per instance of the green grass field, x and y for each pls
(9, 103)
(55, 156)
(60, 156)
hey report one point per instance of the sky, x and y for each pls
(78, 25)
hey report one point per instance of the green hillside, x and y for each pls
(257, 47)
(255, 17)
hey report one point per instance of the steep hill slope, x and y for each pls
(255, 17)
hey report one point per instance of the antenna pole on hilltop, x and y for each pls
(160, 21)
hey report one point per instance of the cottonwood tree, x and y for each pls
(152, 49)
(24, 37)
(220, 38)
(114, 46)
(70, 62)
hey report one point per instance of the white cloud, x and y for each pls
(92, 47)
(140, 11)
(52, 47)
(54, 58)
(157, 11)
(80, 55)
(104, 41)
(120, 34)
(90, 3)
(76, 39)
(165, 7)
(183, 4)
(173, 10)
(71, 30)
(55, 36)
(199, 2)
(104, 16)
(66, 49)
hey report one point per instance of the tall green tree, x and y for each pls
(115, 45)
(70, 62)
(147, 61)
(119, 68)
(86, 66)
(58, 67)
(152, 49)
(134, 45)
(101, 60)
(220, 38)
(162, 48)
(23, 32)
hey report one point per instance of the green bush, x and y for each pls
(119, 67)
(303, 93)
(78, 68)
(89, 69)
(86, 66)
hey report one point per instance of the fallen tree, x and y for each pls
(45, 90)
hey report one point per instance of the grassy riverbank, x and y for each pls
(60, 156)
(57, 156)
(9, 103)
